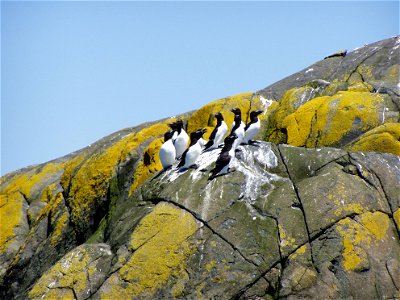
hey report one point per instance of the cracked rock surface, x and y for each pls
(301, 215)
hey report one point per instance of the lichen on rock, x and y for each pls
(161, 249)
(301, 220)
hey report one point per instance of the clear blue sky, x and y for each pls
(73, 72)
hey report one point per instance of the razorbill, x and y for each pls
(341, 53)
(224, 158)
(237, 127)
(218, 134)
(193, 152)
(180, 139)
(167, 151)
(252, 127)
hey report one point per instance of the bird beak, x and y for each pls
(259, 111)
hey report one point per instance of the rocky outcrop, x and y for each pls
(296, 219)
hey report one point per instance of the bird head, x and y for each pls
(201, 132)
(230, 138)
(255, 113)
(219, 116)
(236, 111)
(168, 135)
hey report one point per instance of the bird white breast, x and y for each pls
(240, 135)
(241, 124)
(167, 154)
(221, 133)
(192, 155)
(251, 132)
(181, 143)
(202, 142)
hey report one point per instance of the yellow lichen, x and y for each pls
(298, 252)
(161, 250)
(11, 214)
(71, 272)
(203, 117)
(61, 225)
(351, 208)
(396, 217)
(91, 181)
(285, 239)
(384, 138)
(359, 236)
(58, 294)
(210, 265)
(149, 165)
(28, 182)
(70, 168)
(325, 121)
(29, 185)
(291, 100)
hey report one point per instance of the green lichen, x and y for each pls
(161, 249)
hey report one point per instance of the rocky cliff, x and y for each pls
(310, 212)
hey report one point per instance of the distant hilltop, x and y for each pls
(311, 211)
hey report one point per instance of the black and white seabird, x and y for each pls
(237, 127)
(252, 127)
(192, 153)
(341, 53)
(224, 158)
(167, 151)
(218, 134)
(180, 138)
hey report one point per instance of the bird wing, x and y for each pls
(183, 158)
(213, 133)
(208, 144)
(223, 159)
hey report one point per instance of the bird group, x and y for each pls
(175, 142)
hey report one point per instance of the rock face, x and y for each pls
(296, 218)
